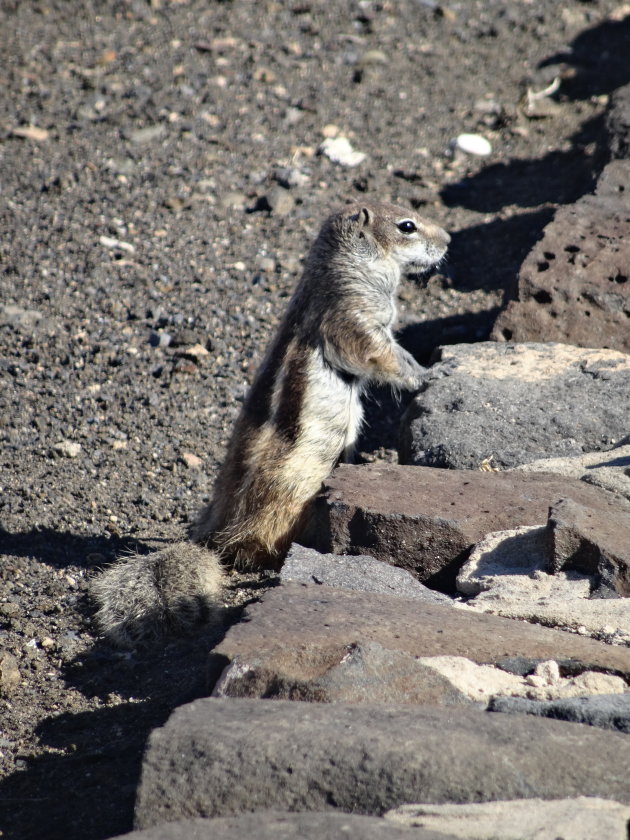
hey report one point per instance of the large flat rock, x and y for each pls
(574, 286)
(426, 520)
(310, 642)
(276, 825)
(514, 403)
(222, 757)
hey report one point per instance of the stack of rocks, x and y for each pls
(458, 635)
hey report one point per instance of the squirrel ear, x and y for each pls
(362, 218)
(365, 217)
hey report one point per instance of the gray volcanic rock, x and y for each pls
(347, 571)
(305, 641)
(221, 757)
(507, 404)
(276, 825)
(426, 520)
(594, 540)
(608, 711)
(574, 286)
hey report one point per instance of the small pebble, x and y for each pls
(373, 57)
(280, 201)
(193, 462)
(292, 116)
(68, 448)
(30, 132)
(160, 339)
(10, 609)
(197, 351)
(339, 150)
(289, 177)
(487, 106)
(146, 135)
(109, 242)
(10, 676)
(20, 317)
(472, 144)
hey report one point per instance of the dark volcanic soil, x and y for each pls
(159, 186)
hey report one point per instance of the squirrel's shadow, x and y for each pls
(63, 548)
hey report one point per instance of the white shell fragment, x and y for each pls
(472, 144)
(109, 242)
(339, 150)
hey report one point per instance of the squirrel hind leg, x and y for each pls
(142, 598)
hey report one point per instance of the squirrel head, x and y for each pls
(385, 231)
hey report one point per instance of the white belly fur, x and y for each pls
(331, 416)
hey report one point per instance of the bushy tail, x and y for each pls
(142, 597)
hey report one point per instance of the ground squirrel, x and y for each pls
(301, 416)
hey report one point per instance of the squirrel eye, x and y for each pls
(406, 226)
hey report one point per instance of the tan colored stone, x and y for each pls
(507, 575)
(609, 469)
(481, 682)
(10, 676)
(582, 818)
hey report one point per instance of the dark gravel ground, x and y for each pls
(159, 186)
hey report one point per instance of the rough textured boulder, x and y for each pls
(508, 404)
(583, 818)
(610, 469)
(275, 825)
(426, 520)
(347, 571)
(320, 643)
(608, 711)
(574, 285)
(222, 757)
(594, 539)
